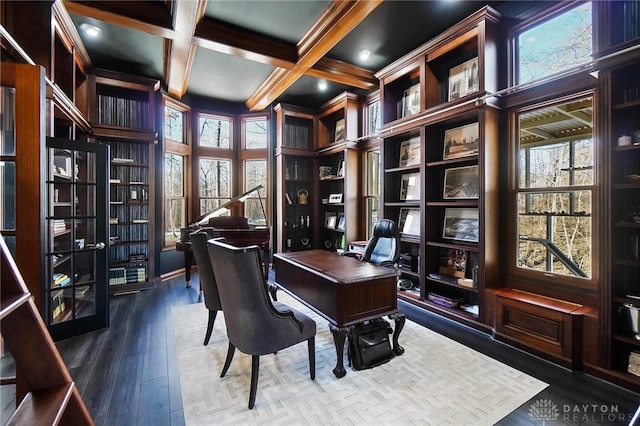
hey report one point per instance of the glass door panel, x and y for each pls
(76, 285)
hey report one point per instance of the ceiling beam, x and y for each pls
(232, 40)
(152, 17)
(338, 20)
(180, 52)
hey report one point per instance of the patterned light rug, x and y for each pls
(436, 382)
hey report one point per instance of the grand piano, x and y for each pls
(235, 229)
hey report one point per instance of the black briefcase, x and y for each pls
(369, 344)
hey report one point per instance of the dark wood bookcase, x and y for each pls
(428, 97)
(123, 116)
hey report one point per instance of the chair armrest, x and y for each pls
(388, 264)
(290, 314)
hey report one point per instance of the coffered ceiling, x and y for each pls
(259, 52)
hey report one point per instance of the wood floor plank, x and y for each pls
(155, 359)
(124, 404)
(154, 401)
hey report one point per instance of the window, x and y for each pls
(255, 173)
(255, 133)
(372, 190)
(555, 189)
(176, 160)
(175, 203)
(214, 186)
(558, 43)
(214, 131)
(373, 117)
(173, 121)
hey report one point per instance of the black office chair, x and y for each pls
(384, 246)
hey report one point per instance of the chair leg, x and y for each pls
(255, 367)
(227, 362)
(311, 343)
(212, 319)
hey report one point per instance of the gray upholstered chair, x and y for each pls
(254, 325)
(207, 281)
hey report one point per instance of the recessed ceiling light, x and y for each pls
(322, 85)
(90, 30)
(364, 54)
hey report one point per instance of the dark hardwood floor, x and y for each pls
(128, 373)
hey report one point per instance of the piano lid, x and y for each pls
(222, 209)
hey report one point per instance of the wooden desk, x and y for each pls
(343, 290)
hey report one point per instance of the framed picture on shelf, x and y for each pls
(461, 224)
(409, 221)
(341, 222)
(340, 130)
(463, 79)
(410, 187)
(461, 141)
(330, 220)
(410, 152)
(453, 262)
(460, 182)
(340, 172)
(335, 198)
(411, 101)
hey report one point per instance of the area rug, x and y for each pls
(436, 382)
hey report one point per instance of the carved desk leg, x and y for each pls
(339, 336)
(399, 320)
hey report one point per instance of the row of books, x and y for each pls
(297, 136)
(127, 275)
(123, 153)
(123, 112)
(447, 302)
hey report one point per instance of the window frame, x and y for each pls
(536, 17)
(182, 149)
(256, 154)
(514, 191)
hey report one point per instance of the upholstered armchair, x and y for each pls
(207, 281)
(254, 325)
(384, 246)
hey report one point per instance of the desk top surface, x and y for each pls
(342, 269)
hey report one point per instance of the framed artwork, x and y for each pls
(410, 187)
(410, 152)
(409, 221)
(411, 101)
(463, 79)
(460, 182)
(340, 131)
(325, 172)
(341, 222)
(453, 262)
(330, 220)
(335, 198)
(340, 168)
(461, 224)
(461, 141)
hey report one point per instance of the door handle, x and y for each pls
(100, 246)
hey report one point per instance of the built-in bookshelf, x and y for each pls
(624, 143)
(295, 150)
(131, 246)
(438, 137)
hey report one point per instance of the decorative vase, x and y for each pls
(303, 196)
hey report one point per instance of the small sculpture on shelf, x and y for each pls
(303, 196)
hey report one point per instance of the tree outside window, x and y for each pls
(255, 133)
(214, 183)
(175, 208)
(255, 173)
(214, 132)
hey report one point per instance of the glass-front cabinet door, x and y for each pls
(75, 289)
